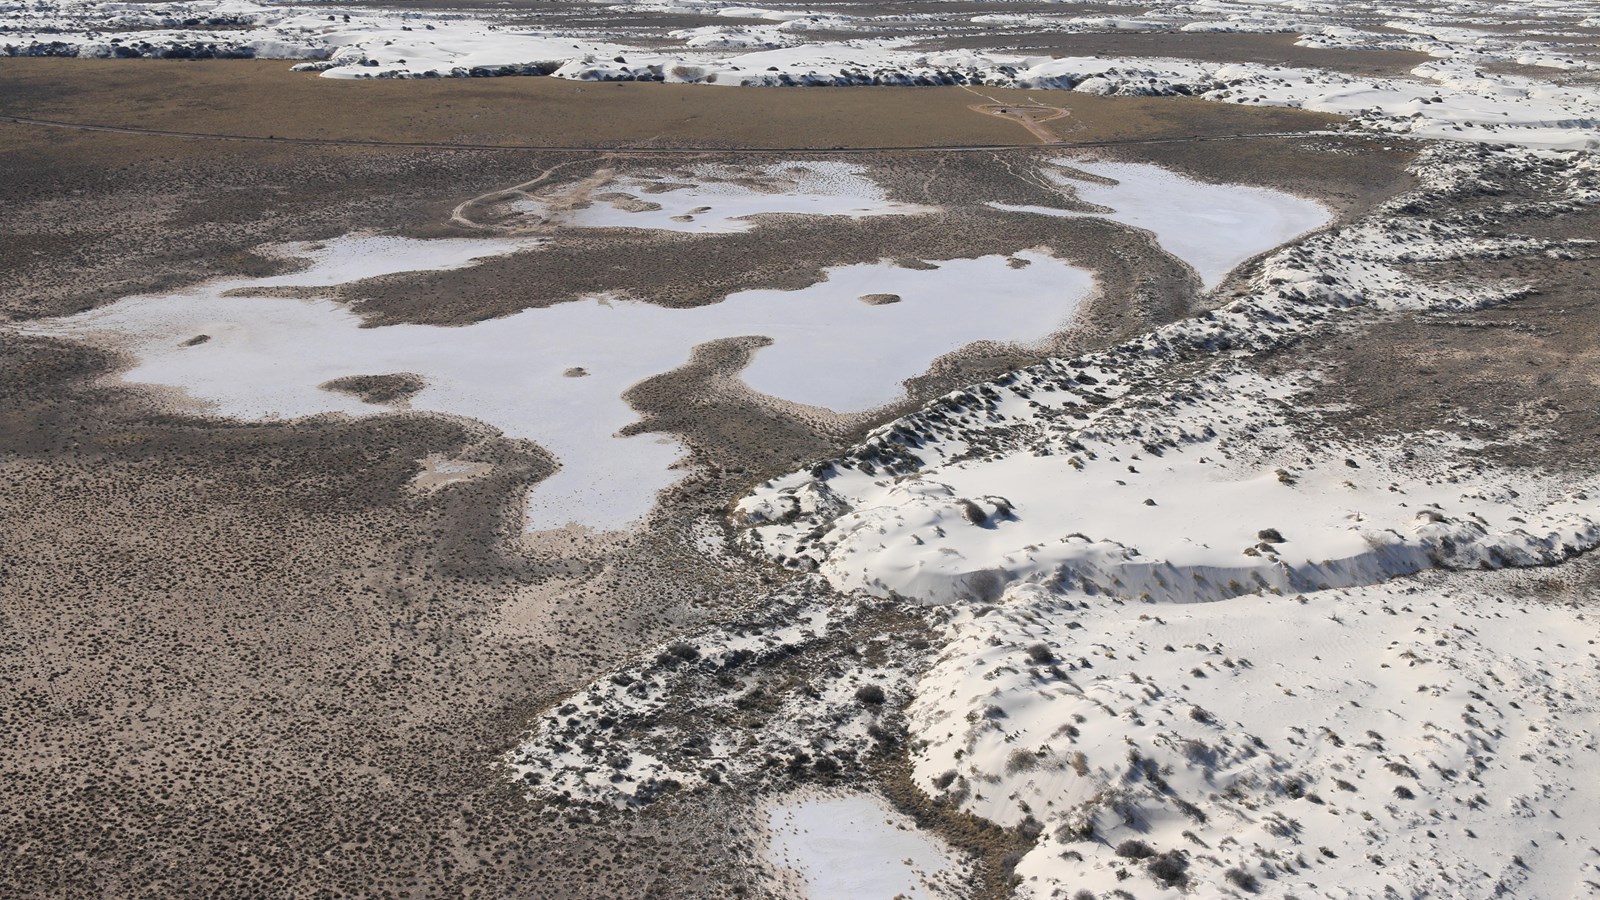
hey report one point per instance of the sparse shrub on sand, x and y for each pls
(973, 512)
(1021, 760)
(1242, 880)
(1170, 868)
(1133, 848)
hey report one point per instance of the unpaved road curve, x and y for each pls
(633, 151)
(458, 216)
(1024, 115)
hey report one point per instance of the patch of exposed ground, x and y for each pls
(95, 217)
(395, 387)
(262, 98)
(1520, 378)
(790, 252)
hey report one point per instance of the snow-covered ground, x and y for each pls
(719, 199)
(853, 845)
(266, 357)
(1211, 227)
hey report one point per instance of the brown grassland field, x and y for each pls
(263, 98)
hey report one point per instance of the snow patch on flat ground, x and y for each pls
(267, 356)
(1211, 227)
(854, 846)
(720, 199)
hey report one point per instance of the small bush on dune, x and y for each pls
(1243, 880)
(1169, 868)
(973, 512)
(1133, 848)
(1021, 760)
(870, 694)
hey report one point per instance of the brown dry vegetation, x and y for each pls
(263, 98)
(1522, 377)
(246, 660)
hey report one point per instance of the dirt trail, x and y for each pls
(1029, 117)
(459, 217)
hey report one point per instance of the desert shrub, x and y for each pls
(870, 694)
(1133, 848)
(1021, 760)
(1189, 809)
(973, 512)
(1080, 764)
(1041, 654)
(1072, 832)
(1169, 868)
(1242, 880)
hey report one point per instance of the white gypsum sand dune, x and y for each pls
(908, 512)
(1433, 736)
